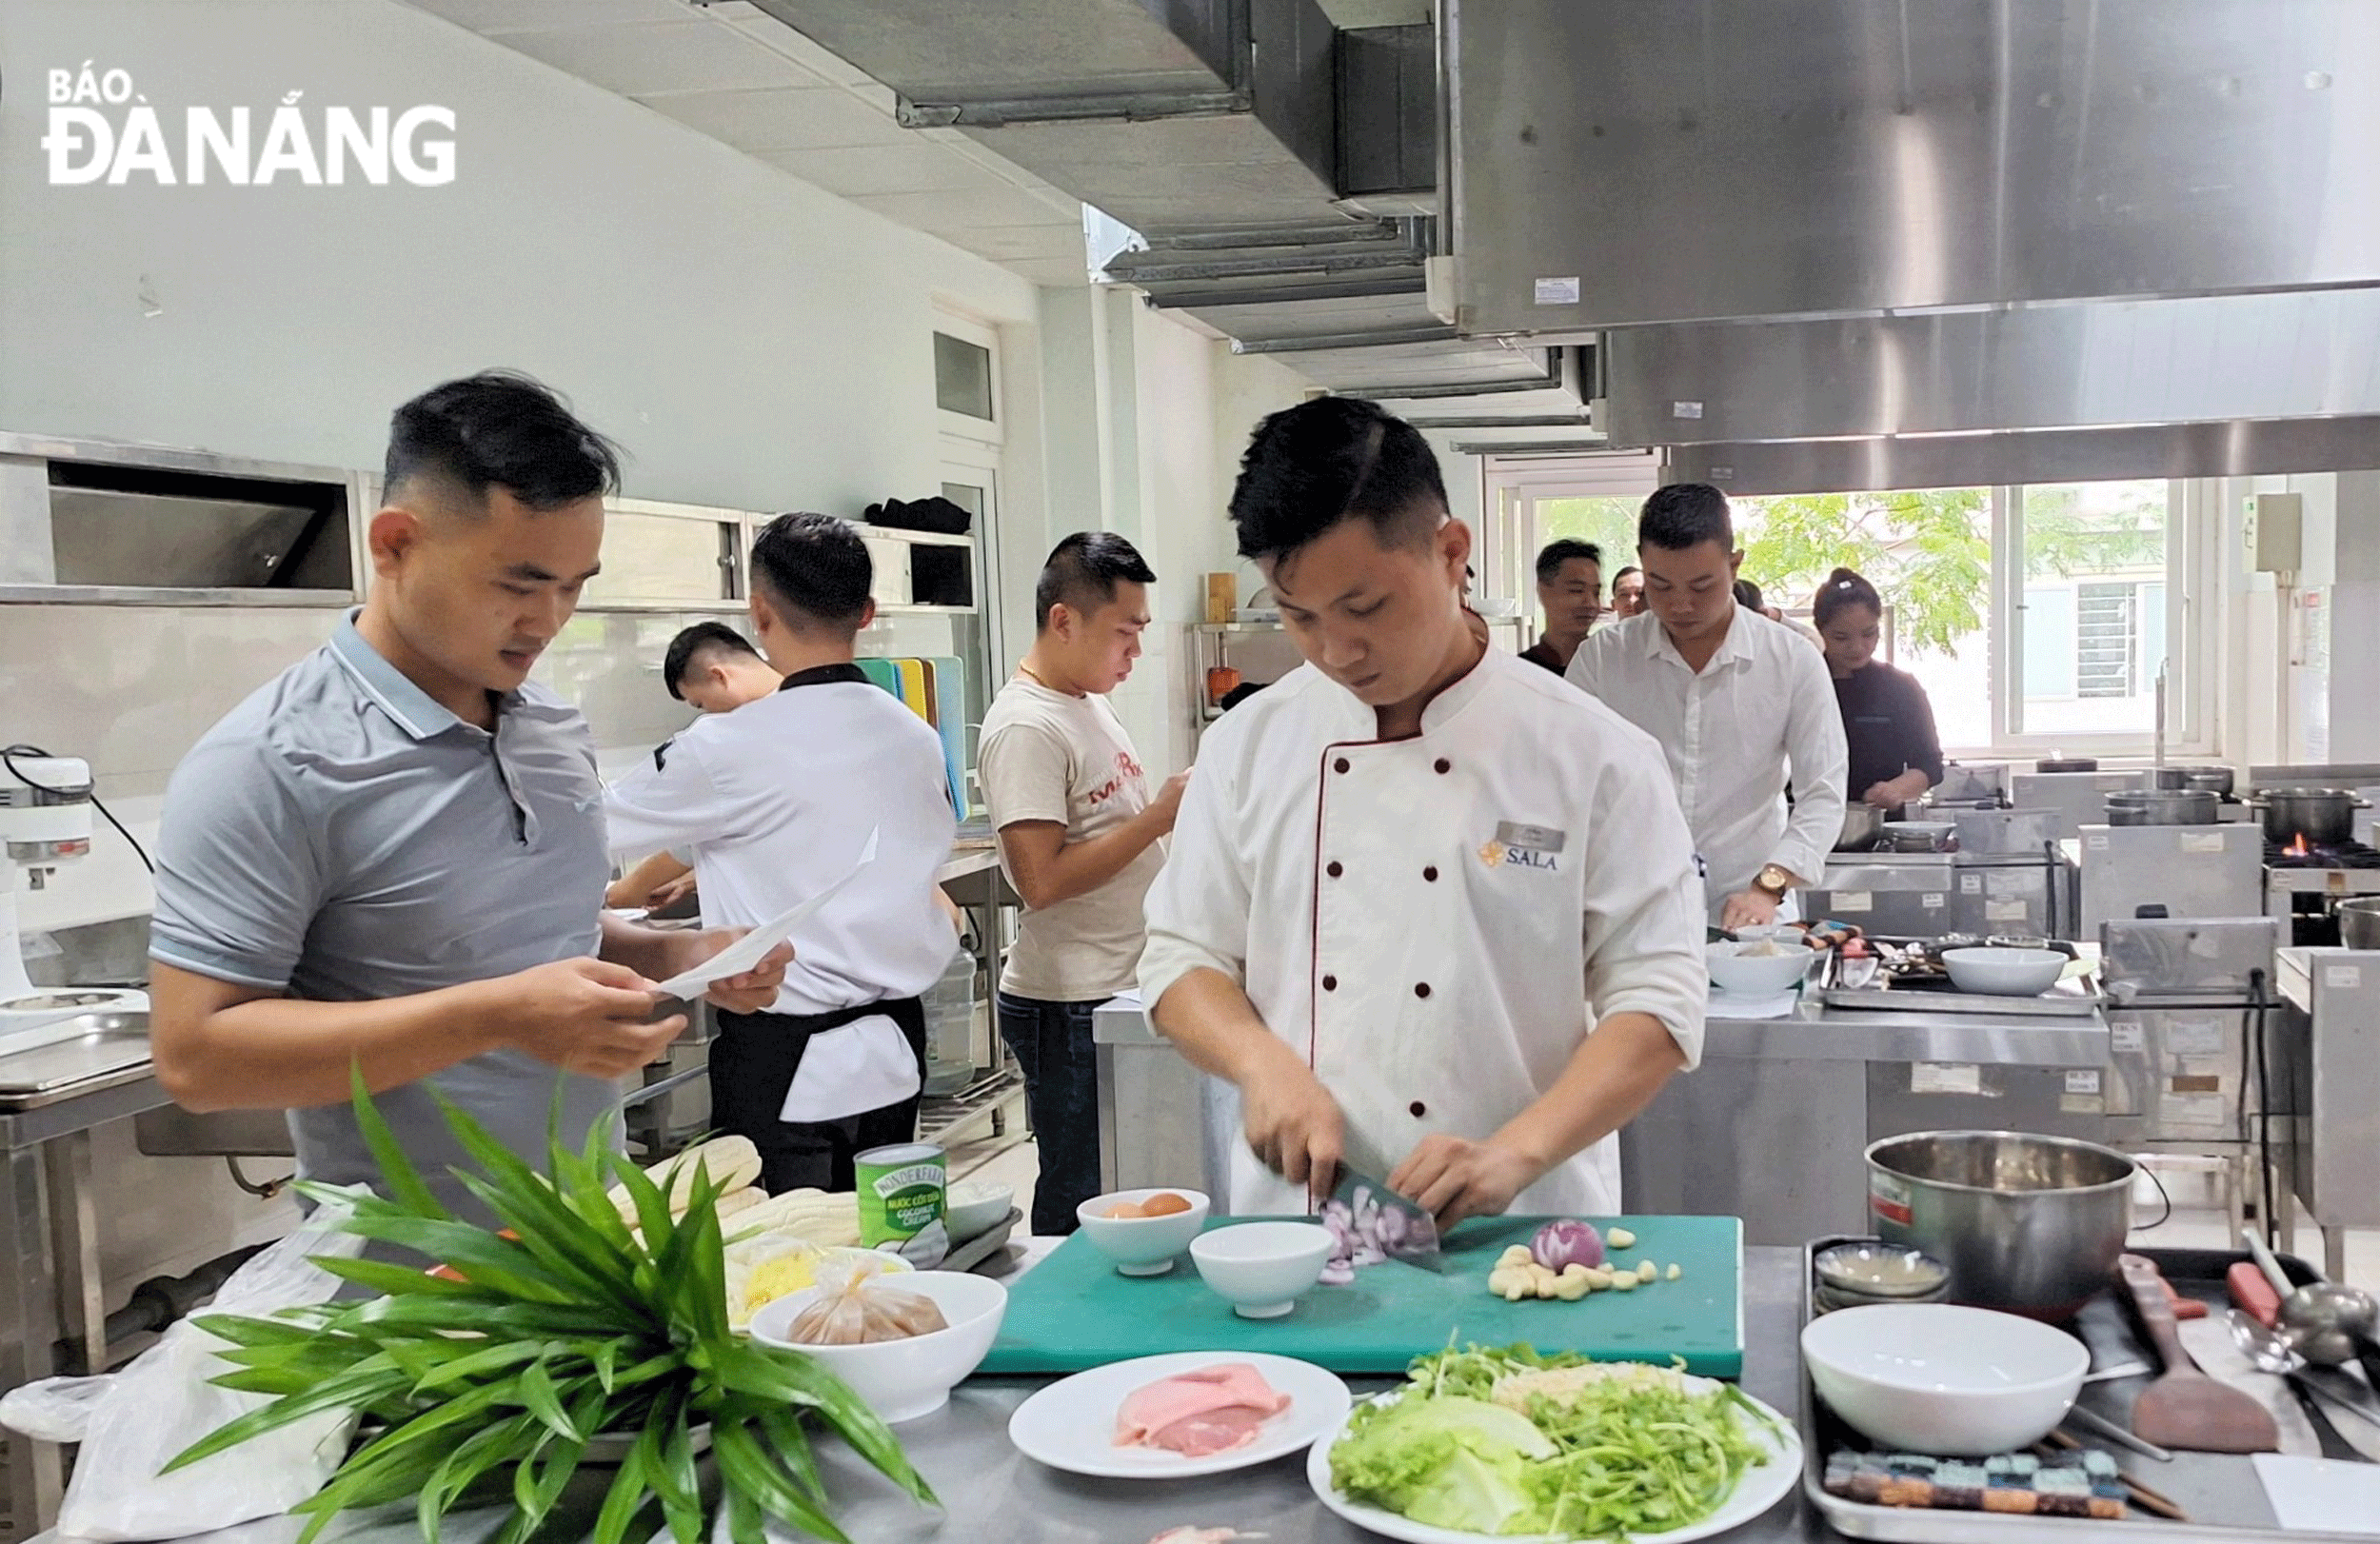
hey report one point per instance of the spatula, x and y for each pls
(2186, 1408)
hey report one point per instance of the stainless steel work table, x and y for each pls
(995, 1496)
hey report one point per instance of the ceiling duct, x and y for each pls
(1621, 162)
(1283, 175)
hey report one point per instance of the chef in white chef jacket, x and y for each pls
(1432, 910)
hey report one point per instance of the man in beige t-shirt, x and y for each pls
(1080, 838)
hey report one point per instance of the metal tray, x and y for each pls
(73, 1055)
(982, 1246)
(1908, 1000)
(2225, 1499)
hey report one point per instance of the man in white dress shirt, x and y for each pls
(774, 802)
(1433, 912)
(1741, 705)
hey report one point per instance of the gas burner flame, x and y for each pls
(2298, 847)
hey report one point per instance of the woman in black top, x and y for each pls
(1894, 753)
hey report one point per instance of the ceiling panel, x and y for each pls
(491, 16)
(883, 168)
(1007, 243)
(791, 118)
(641, 58)
(988, 205)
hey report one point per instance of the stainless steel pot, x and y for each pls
(2203, 780)
(2325, 817)
(2359, 922)
(1921, 836)
(2028, 1224)
(1862, 826)
(2161, 808)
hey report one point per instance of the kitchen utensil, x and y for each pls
(2185, 1408)
(904, 1381)
(1072, 1311)
(2156, 1503)
(1931, 1378)
(2325, 1321)
(1372, 1208)
(1921, 836)
(2099, 1426)
(2015, 972)
(1863, 827)
(1758, 974)
(2027, 1223)
(1261, 1269)
(1071, 1424)
(2359, 922)
(1141, 1245)
(2325, 817)
(2162, 808)
(1880, 1273)
(2270, 1352)
(2299, 1421)
(2117, 1372)
(2209, 779)
(1760, 1488)
(2253, 1294)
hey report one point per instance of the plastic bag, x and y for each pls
(55, 1409)
(163, 1403)
(857, 1305)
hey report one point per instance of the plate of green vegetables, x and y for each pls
(1505, 1443)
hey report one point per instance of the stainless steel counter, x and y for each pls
(995, 1496)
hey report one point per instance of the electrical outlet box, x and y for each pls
(2274, 529)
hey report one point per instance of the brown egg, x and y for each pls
(1164, 1203)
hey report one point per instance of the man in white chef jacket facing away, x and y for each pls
(1434, 912)
(1741, 705)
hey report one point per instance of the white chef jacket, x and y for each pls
(1436, 924)
(1762, 712)
(774, 802)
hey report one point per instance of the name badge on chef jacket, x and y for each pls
(1524, 846)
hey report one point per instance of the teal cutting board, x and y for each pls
(1073, 1311)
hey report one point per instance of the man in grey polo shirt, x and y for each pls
(392, 855)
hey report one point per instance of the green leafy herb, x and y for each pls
(1505, 1441)
(563, 1327)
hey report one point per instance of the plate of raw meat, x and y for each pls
(1190, 1412)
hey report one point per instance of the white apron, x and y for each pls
(1434, 923)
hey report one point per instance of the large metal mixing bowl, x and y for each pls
(2029, 1224)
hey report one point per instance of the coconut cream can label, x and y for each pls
(902, 1191)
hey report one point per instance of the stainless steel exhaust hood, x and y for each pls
(1629, 162)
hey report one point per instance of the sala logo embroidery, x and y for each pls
(1496, 855)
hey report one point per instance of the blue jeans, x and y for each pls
(1052, 1042)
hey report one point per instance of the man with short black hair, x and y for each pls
(710, 667)
(773, 803)
(390, 858)
(1570, 589)
(1432, 912)
(712, 670)
(1081, 838)
(1740, 704)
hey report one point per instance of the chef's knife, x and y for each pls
(1374, 1214)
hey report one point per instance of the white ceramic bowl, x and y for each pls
(903, 1379)
(2005, 973)
(1931, 1378)
(974, 1208)
(1261, 1267)
(1759, 975)
(1141, 1245)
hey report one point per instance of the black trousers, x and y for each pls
(752, 1064)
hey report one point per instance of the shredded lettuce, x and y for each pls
(1484, 1441)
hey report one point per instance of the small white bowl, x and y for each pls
(2005, 973)
(1141, 1245)
(1759, 975)
(1931, 1378)
(902, 1380)
(974, 1208)
(1261, 1267)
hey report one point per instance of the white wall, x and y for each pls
(750, 340)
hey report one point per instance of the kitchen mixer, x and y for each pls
(45, 823)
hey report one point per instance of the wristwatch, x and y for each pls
(1772, 881)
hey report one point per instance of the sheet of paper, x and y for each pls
(2321, 1494)
(748, 950)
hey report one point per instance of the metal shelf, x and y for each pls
(893, 533)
